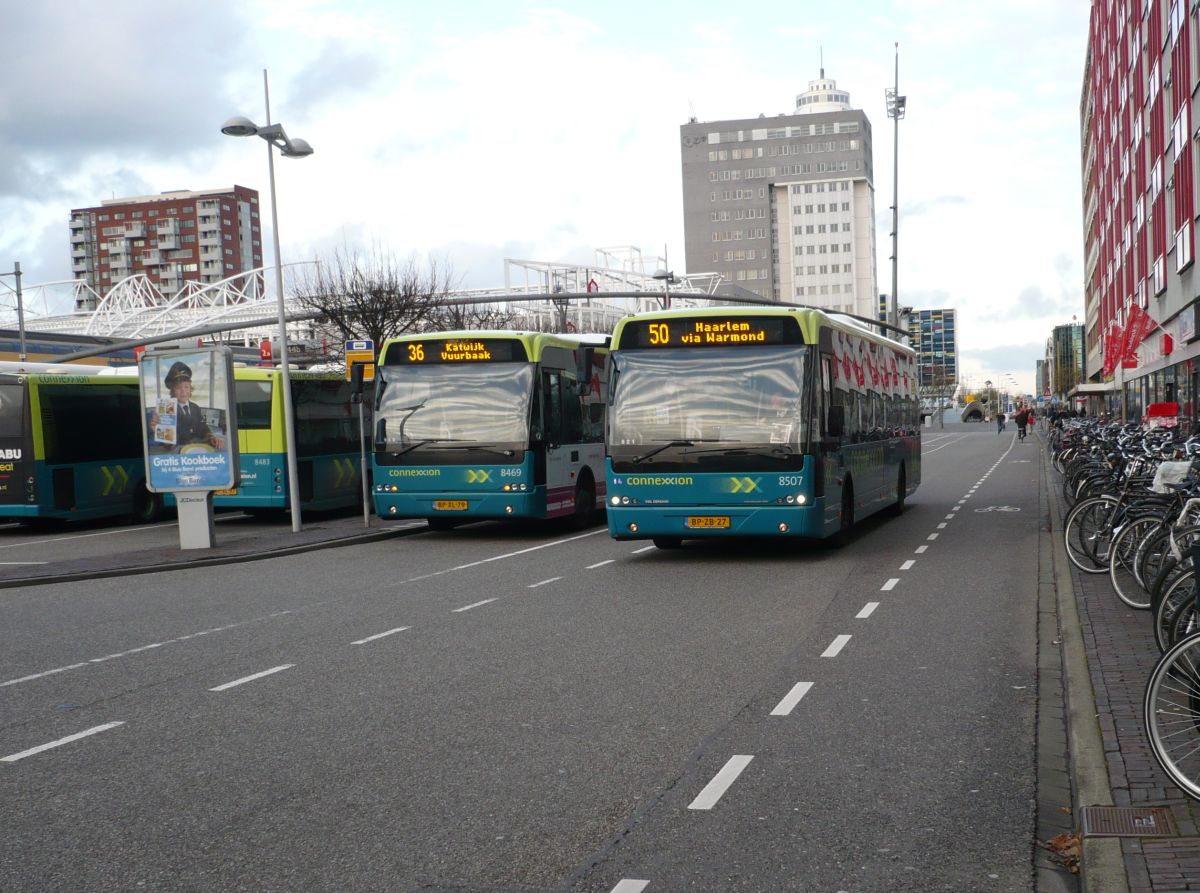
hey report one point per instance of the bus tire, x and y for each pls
(585, 504)
(896, 509)
(845, 516)
(147, 507)
(441, 524)
(667, 542)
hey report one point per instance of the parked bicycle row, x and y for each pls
(1134, 514)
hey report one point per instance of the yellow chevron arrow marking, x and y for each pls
(109, 480)
(481, 476)
(343, 474)
(122, 479)
(742, 485)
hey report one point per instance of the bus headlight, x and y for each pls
(633, 528)
(508, 510)
(391, 510)
(783, 528)
(790, 499)
(801, 499)
(624, 500)
(616, 500)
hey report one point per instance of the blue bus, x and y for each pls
(756, 422)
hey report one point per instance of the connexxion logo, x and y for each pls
(650, 481)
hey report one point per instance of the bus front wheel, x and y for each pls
(897, 507)
(585, 504)
(846, 521)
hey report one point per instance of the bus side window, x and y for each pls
(552, 418)
(572, 412)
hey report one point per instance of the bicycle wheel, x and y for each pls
(1151, 556)
(1175, 595)
(1186, 622)
(1121, 557)
(1085, 525)
(1171, 709)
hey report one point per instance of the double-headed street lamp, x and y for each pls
(288, 148)
(16, 273)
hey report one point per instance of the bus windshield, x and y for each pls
(426, 409)
(717, 407)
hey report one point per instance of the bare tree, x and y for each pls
(371, 294)
(448, 317)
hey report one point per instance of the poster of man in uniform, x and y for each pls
(190, 427)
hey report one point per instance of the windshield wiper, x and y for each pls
(673, 443)
(486, 449)
(775, 452)
(421, 443)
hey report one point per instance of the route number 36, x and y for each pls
(416, 353)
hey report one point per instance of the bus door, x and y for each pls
(16, 457)
(560, 489)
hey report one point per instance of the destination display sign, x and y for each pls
(711, 331)
(456, 350)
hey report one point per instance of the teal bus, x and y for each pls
(71, 445)
(490, 425)
(756, 422)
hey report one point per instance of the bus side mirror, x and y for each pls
(381, 432)
(356, 382)
(835, 421)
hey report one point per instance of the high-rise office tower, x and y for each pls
(785, 206)
(935, 339)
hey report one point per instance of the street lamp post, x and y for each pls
(895, 111)
(16, 274)
(667, 277)
(288, 148)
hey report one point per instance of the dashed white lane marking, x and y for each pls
(108, 657)
(932, 537)
(95, 730)
(643, 549)
(921, 550)
(954, 509)
(721, 782)
(835, 646)
(791, 699)
(81, 536)
(907, 565)
(942, 526)
(950, 517)
(867, 611)
(251, 678)
(390, 632)
(10, 563)
(486, 601)
(889, 585)
(630, 885)
(543, 583)
(592, 567)
(470, 564)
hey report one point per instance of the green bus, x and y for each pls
(71, 445)
(490, 425)
(757, 422)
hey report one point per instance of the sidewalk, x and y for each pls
(326, 533)
(1120, 652)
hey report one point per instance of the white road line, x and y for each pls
(629, 885)
(592, 567)
(791, 699)
(921, 550)
(950, 517)
(463, 567)
(942, 526)
(907, 565)
(889, 585)
(95, 730)
(9, 563)
(97, 660)
(835, 646)
(932, 537)
(943, 446)
(81, 536)
(486, 601)
(246, 679)
(643, 549)
(721, 782)
(543, 583)
(390, 632)
(867, 611)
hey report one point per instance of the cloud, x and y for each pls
(913, 209)
(338, 70)
(1032, 303)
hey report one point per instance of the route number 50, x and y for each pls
(659, 333)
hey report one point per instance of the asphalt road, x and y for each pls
(527, 710)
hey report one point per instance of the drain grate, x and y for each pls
(1127, 821)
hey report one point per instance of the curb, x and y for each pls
(238, 558)
(1101, 864)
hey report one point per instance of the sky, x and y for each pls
(472, 132)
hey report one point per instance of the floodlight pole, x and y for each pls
(895, 110)
(16, 274)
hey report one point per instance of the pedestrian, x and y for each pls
(1022, 419)
(999, 422)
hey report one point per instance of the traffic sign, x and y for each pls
(363, 353)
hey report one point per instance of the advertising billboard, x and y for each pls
(190, 415)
